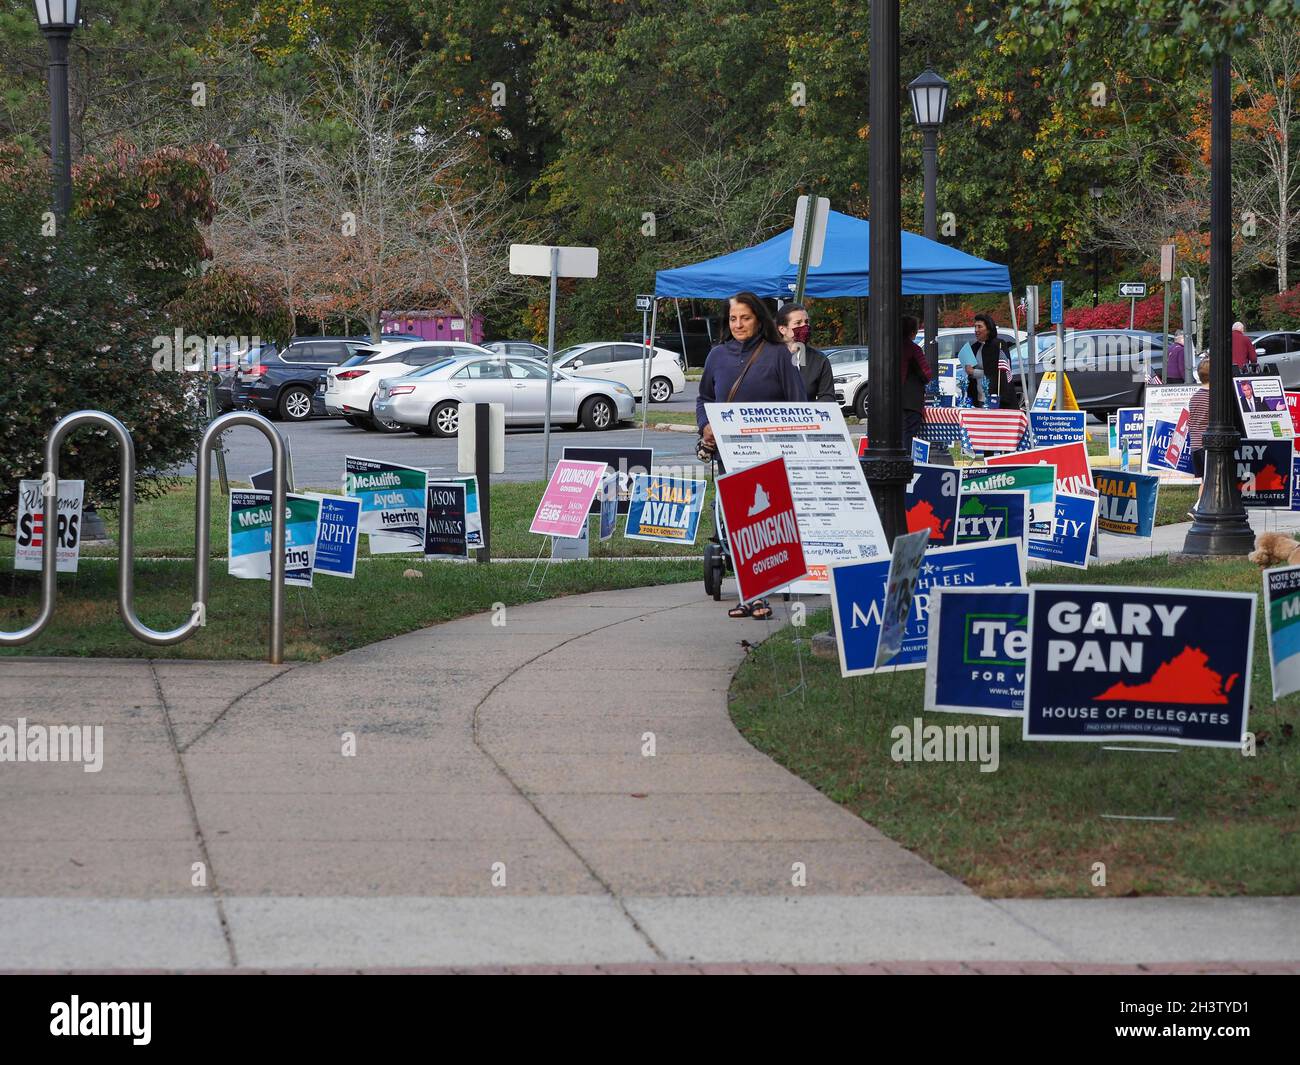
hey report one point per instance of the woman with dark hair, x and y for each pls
(993, 356)
(814, 368)
(752, 364)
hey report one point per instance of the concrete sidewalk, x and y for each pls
(501, 809)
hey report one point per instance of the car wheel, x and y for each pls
(860, 404)
(598, 414)
(661, 390)
(383, 426)
(444, 419)
(355, 421)
(294, 405)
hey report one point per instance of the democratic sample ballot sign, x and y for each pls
(975, 662)
(837, 517)
(29, 541)
(392, 503)
(565, 503)
(1138, 664)
(762, 530)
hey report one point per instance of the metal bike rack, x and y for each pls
(126, 531)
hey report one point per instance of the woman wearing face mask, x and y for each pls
(752, 364)
(993, 356)
(793, 324)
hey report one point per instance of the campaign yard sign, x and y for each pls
(1076, 520)
(392, 503)
(1127, 502)
(625, 462)
(444, 530)
(1282, 618)
(1165, 451)
(567, 500)
(473, 516)
(30, 531)
(665, 508)
(920, 450)
(1112, 435)
(1070, 460)
(1263, 472)
(900, 586)
(985, 516)
(1293, 408)
(337, 535)
(1295, 480)
(931, 502)
(1050, 428)
(1038, 481)
(250, 530)
(1129, 434)
(1138, 664)
(975, 663)
(762, 530)
(608, 506)
(858, 598)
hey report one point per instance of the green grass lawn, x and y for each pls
(1034, 826)
(334, 616)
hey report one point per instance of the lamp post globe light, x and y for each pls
(57, 19)
(929, 94)
(1096, 192)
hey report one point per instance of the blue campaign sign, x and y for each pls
(1139, 664)
(1127, 506)
(986, 516)
(920, 450)
(1129, 434)
(1072, 531)
(1295, 481)
(931, 502)
(664, 508)
(858, 598)
(1262, 473)
(1058, 302)
(1159, 438)
(1052, 427)
(336, 536)
(976, 658)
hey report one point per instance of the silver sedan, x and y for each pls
(428, 399)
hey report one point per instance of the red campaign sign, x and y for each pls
(1070, 460)
(762, 530)
(1293, 406)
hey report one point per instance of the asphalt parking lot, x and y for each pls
(318, 447)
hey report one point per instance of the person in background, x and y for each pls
(751, 365)
(916, 374)
(1198, 418)
(1175, 360)
(993, 356)
(818, 376)
(1243, 349)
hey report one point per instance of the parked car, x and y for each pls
(1107, 368)
(608, 361)
(1280, 349)
(428, 400)
(349, 389)
(842, 356)
(525, 348)
(283, 384)
(229, 391)
(701, 336)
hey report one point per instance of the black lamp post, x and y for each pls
(58, 18)
(929, 94)
(1219, 525)
(1096, 192)
(887, 464)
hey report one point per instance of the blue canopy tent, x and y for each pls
(929, 268)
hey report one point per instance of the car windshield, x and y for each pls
(571, 350)
(362, 355)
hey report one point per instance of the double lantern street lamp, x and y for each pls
(58, 18)
(929, 94)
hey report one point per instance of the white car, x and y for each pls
(428, 400)
(350, 387)
(607, 361)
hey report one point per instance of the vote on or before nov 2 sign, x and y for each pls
(838, 521)
(762, 530)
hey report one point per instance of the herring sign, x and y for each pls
(1138, 664)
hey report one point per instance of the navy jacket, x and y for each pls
(773, 377)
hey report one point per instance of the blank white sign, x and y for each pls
(534, 260)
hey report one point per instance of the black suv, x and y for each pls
(283, 385)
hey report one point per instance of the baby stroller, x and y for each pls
(717, 555)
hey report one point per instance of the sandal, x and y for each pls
(740, 610)
(760, 610)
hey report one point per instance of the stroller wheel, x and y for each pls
(714, 567)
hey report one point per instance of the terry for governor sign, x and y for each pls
(1140, 664)
(761, 528)
(976, 659)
